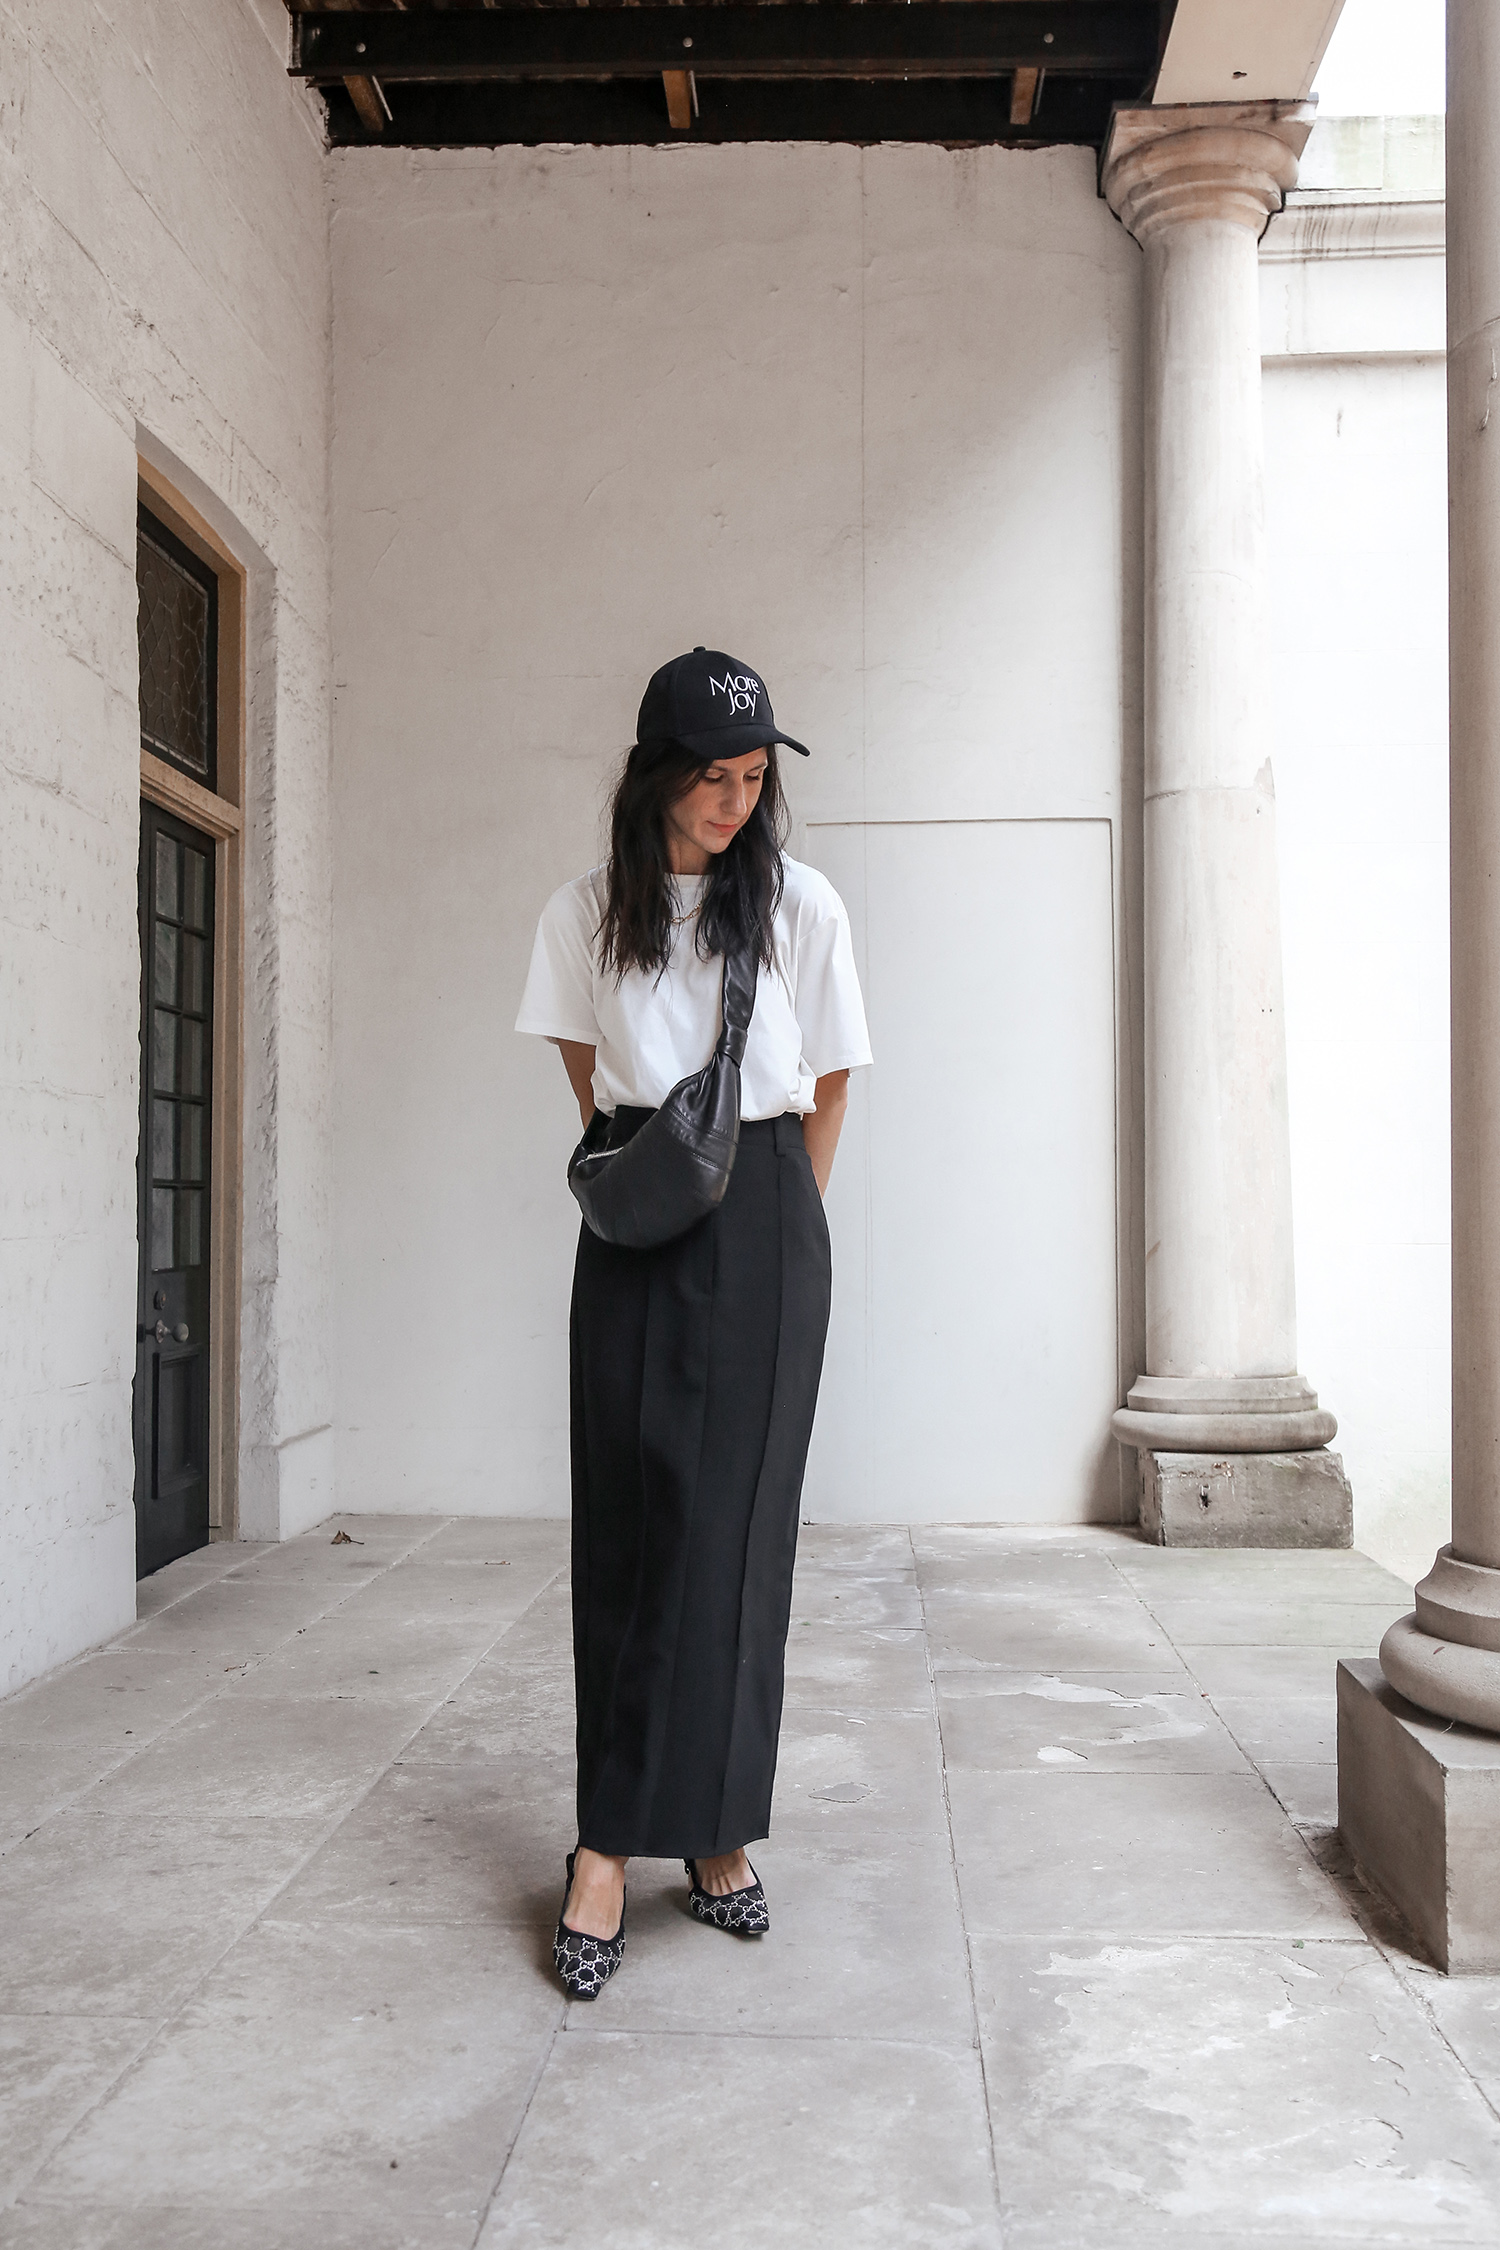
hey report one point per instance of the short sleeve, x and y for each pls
(830, 1006)
(558, 1002)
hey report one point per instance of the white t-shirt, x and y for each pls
(648, 1032)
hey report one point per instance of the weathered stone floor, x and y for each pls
(1063, 1953)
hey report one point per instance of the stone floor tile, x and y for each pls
(825, 1594)
(38, 1781)
(499, 1708)
(762, 2143)
(1307, 1794)
(491, 1595)
(245, 1757)
(342, 1570)
(848, 1780)
(398, 1534)
(203, 1567)
(543, 1633)
(1063, 1851)
(1277, 1622)
(853, 1546)
(1183, 1572)
(1466, 2011)
(371, 1546)
(878, 1669)
(158, 2226)
(407, 1660)
(959, 1675)
(1271, 1673)
(1047, 1574)
(862, 1945)
(1079, 1572)
(1033, 1540)
(534, 1539)
(1287, 1729)
(479, 1842)
(385, 2071)
(1018, 1721)
(53, 2069)
(1035, 2235)
(1149, 2093)
(115, 1699)
(226, 1625)
(1048, 1578)
(1101, 1633)
(108, 1917)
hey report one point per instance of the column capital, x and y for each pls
(1203, 160)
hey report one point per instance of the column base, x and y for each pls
(1245, 1500)
(1224, 1414)
(1446, 1677)
(1419, 1808)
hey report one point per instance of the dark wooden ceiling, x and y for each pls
(962, 73)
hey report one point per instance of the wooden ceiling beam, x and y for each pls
(678, 87)
(370, 104)
(1100, 39)
(625, 112)
(1024, 88)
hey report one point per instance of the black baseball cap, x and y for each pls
(713, 705)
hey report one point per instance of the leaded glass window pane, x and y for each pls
(177, 625)
(194, 981)
(168, 876)
(192, 1056)
(195, 889)
(161, 1230)
(189, 1227)
(190, 1125)
(163, 1140)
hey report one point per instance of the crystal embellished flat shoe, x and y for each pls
(743, 1913)
(585, 1963)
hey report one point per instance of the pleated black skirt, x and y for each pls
(695, 1372)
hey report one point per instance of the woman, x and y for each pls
(695, 1365)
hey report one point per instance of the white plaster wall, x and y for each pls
(163, 284)
(1357, 515)
(868, 419)
(1357, 507)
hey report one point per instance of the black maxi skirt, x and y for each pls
(695, 1373)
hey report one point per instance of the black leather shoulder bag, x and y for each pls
(676, 1169)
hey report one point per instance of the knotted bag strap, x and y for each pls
(741, 970)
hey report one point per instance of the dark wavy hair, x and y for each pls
(744, 883)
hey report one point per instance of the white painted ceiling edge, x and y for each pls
(1245, 50)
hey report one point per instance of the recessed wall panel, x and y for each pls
(972, 1360)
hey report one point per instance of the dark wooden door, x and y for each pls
(175, 1180)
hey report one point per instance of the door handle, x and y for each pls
(166, 1335)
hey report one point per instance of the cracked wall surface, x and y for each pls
(163, 286)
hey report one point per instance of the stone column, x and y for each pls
(1447, 1656)
(1419, 1798)
(1229, 1434)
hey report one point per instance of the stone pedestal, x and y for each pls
(1196, 186)
(1245, 1499)
(1419, 1808)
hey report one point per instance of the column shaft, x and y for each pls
(1219, 1287)
(1474, 681)
(1196, 186)
(1445, 1657)
(1417, 1800)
